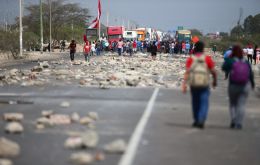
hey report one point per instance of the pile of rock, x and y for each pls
(9, 148)
(104, 72)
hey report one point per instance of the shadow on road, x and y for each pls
(189, 126)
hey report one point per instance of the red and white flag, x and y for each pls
(95, 23)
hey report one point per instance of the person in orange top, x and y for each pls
(86, 50)
(198, 69)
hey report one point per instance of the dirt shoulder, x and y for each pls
(8, 60)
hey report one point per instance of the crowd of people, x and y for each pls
(252, 54)
(199, 67)
(130, 47)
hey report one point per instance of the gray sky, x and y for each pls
(205, 15)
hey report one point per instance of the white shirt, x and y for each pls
(245, 51)
(250, 51)
(93, 47)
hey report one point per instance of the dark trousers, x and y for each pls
(72, 53)
(200, 104)
(250, 58)
(119, 50)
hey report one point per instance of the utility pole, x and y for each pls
(41, 26)
(50, 25)
(108, 13)
(99, 29)
(72, 29)
(21, 28)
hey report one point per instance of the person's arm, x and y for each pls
(186, 75)
(184, 83)
(214, 75)
(211, 66)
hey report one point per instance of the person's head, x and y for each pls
(237, 52)
(199, 47)
(256, 46)
(73, 41)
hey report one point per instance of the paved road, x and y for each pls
(167, 137)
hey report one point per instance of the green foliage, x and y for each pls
(68, 20)
(196, 32)
(9, 42)
(249, 33)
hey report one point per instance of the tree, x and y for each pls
(196, 32)
(237, 31)
(252, 24)
(64, 17)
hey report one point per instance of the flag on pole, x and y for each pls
(95, 23)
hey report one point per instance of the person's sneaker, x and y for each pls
(232, 125)
(238, 126)
(195, 124)
(200, 125)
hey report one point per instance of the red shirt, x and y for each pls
(208, 61)
(134, 44)
(87, 47)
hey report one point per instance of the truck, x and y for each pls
(183, 35)
(114, 34)
(130, 35)
(141, 33)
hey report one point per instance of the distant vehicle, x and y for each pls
(141, 34)
(115, 33)
(130, 35)
(183, 35)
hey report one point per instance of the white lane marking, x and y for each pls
(14, 94)
(128, 157)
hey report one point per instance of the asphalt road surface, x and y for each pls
(155, 122)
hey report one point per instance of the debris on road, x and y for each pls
(5, 162)
(65, 104)
(93, 115)
(46, 122)
(81, 158)
(86, 120)
(75, 117)
(90, 139)
(13, 117)
(8, 148)
(73, 143)
(14, 128)
(99, 156)
(47, 113)
(103, 72)
(116, 147)
(60, 119)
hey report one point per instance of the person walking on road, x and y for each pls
(250, 52)
(240, 78)
(198, 69)
(214, 49)
(153, 50)
(86, 51)
(72, 48)
(187, 47)
(255, 54)
(120, 47)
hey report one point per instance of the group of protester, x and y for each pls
(252, 54)
(199, 67)
(240, 77)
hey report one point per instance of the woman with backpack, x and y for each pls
(198, 70)
(240, 77)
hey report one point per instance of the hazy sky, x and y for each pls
(205, 15)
